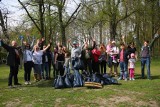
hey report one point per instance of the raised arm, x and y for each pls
(46, 47)
(69, 41)
(156, 36)
(137, 41)
(32, 43)
(5, 46)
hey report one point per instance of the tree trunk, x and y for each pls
(41, 3)
(100, 31)
(62, 26)
(113, 32)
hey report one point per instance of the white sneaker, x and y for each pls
(133, 79)
(125, 79)
(26, 83)
(29, 82)
(130, 78)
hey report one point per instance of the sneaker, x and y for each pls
(26, 83)
(29, 82)
(10, 86)
(125, 79)
(133, 79)
(130, 78)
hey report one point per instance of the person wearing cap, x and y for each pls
(112, 59)
(75, 52)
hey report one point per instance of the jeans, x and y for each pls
(123, 69)
(147, 62)
(45, 68)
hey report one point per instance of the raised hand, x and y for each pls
(134, 36)
(156, 35)
(43, 39)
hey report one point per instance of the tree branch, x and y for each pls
(70, 19)
(30, 16)
(126, 16)
(3, 26)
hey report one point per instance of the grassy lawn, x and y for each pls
(138, 93)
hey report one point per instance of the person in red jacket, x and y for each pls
(95, 63)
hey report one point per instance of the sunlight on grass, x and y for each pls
(141, 92)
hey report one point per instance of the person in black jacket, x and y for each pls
(13, 60)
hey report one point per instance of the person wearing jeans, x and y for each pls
(145, 59)
(123, 62)
(145, 54)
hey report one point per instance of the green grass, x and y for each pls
(138, 93)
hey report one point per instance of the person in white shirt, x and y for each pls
(37, 60)
(28, 63)
(112, 60)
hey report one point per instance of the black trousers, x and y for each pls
(13, 73)
(95, 67)
(49, 68)
(27, 70)
(88, 64)
(103, 67)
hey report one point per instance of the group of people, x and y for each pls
(95, 59)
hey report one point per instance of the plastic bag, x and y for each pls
(59, 82)
(78, 81)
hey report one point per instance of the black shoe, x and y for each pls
(17, 84)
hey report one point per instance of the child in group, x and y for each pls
(132, 61)
(67, 63)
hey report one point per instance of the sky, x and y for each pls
(15, 14)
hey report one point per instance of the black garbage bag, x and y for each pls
(106, 79)
(96, 78)
(94, 81)
(68, 81)
(78, 81)
(59, 82)
(109, 80)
